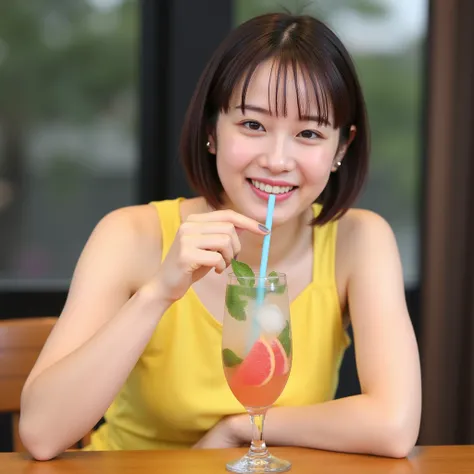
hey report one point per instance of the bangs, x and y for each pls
(320, 90)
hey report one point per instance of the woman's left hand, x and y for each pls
(223, 435)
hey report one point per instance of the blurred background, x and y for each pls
(69, 120)
(92, 97)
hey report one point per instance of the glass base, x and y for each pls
(267, 463)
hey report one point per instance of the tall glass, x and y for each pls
(257, 355)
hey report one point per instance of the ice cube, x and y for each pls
(270, 318)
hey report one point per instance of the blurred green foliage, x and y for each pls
(64, 58)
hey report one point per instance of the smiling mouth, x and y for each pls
(269, 189)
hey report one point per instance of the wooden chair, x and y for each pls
(21, 341)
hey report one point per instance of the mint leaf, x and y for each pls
(230, 358)
(235, 305)
(274, 276)
(249, 291)
(285, 339)
(241, 269)
(275, 285)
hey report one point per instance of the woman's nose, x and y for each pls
(277, 158)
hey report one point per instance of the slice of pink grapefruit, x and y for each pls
(258, 367)
(282, 364)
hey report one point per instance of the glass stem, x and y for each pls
(258, 446)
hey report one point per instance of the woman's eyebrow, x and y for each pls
(262, 110)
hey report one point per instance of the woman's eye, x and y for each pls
(309, 134)
(253, 125)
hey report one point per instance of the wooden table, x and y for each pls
(423, 460)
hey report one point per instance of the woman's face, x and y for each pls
(259, 152)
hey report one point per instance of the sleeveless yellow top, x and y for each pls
(177, 390)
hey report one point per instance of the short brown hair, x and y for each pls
(296, 41)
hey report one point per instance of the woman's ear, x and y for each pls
(335, 165)
(211, 144)
(341, 152)
(352, 134)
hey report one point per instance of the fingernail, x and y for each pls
(263, 228)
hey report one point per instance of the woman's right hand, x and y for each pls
(203, 241)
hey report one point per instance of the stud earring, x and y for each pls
(338, 163)
(208, 144)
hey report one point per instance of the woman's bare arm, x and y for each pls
(96, 341)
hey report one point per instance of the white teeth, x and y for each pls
(271, 189)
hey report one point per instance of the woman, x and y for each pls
(278, 109)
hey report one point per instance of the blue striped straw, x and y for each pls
(263, 267)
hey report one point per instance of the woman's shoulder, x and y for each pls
(143, 224)
(362, 231)
(128, 237)
(138, 221)
(144, 220)
(361, 224)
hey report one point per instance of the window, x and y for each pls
(68, 110)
